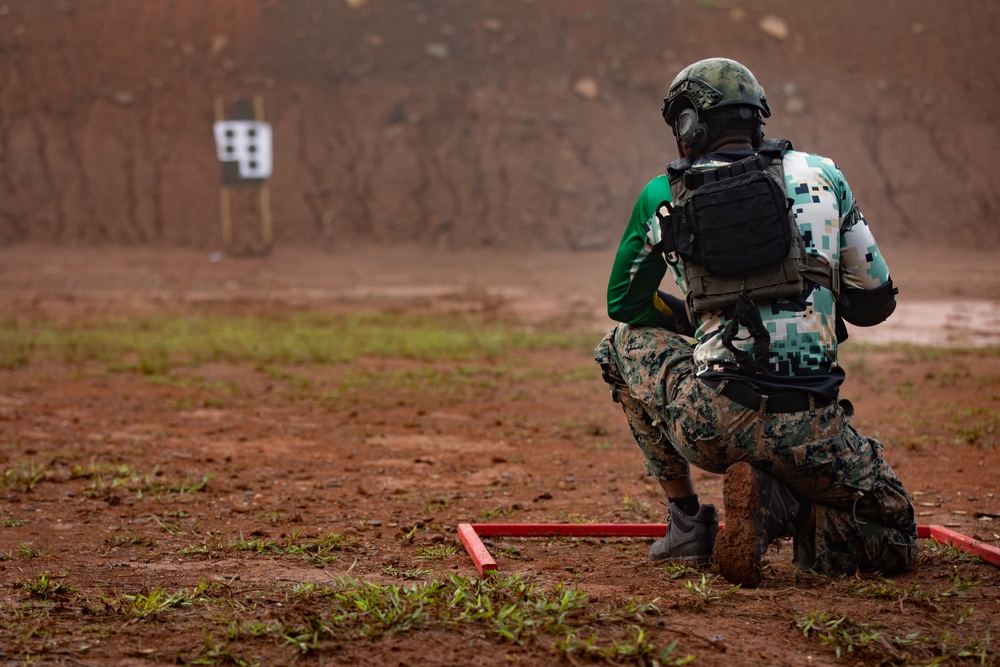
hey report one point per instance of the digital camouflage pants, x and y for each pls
(864, 519)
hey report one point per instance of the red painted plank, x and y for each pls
(480, 555)
(987, 552)
(570, 529)
(469, 534)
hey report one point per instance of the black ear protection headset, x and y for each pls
(692, 132)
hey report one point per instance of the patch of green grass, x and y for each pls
(979, 649)
(323, 549)
(636, 646)
(876, 588)
(167, 522)
(393, 571)
(976, 426)
(465, 382)
(914, 443)
(223, 654)
(959, 584)
(436, 552)
(151, 603)
(510, 551)
(705, 593)
(106, 478)
(872, 643)
(566, 517)
(155, 345)
(947, 553)
(507, 607)
(25, 476)
(922, 354)
(408, 535)
(436, 504)
(906, 390)
(631, 609)
(882, 588)
(224, 388)
(25, 550)
(47, 587)
(677, 570)
(128, 539)
(845, 636)
(17, 344)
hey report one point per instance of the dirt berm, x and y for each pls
(465, 123)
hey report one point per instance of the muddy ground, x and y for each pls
(473, 161)
(230, 479)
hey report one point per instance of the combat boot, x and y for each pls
(689, 539)
(759, 510)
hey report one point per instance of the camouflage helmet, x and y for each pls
(713, 83)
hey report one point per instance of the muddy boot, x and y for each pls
(759, 510)
(689, 539)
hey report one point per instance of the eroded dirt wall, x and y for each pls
(457, 123)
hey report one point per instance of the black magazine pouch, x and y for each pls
(737, 225)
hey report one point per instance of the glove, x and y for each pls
(674, 311)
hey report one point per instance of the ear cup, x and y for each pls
(691, 131)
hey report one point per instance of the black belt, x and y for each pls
(792, 401)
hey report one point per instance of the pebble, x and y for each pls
(795, 106)
(124, 98)
(437, 50)
(774, 26)
(586, 88)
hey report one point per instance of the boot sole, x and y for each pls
(683, 560)
(735, 551)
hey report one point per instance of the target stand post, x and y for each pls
(243, 145)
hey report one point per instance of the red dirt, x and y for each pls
(519, 446)
(470, 158)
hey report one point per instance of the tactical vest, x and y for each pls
(733, 229)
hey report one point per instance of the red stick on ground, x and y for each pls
(480, 555)
(470, 535)
(987, 552)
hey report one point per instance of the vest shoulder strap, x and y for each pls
(775, 147)
(678, 167)
(770, 150)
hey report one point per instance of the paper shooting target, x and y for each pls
(246, 143)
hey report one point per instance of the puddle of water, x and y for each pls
(937, 323)
(968, 323)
